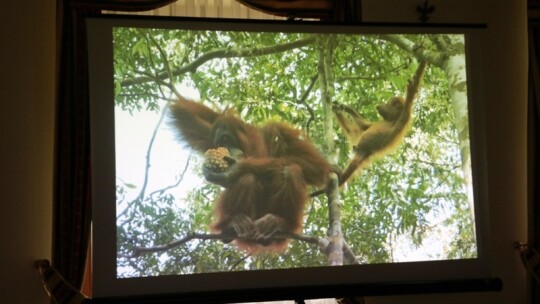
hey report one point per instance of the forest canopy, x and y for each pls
(415, 203)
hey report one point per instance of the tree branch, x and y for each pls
(421, 54)
(303, 99)
(222, 53)
(149, 152)
(139, 250)
(369, 78)
(322, 243)
(335, 248)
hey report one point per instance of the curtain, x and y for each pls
(72, 209)
(206, 8)
(335, 10)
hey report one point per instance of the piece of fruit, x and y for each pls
(214, 159)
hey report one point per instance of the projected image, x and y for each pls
(244, 151)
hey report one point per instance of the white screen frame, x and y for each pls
(106, 284)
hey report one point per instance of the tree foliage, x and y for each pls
(413, 200)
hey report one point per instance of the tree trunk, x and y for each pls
(326, 85)
(455, 69)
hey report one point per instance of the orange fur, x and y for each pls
(265, 189)
(376, 139)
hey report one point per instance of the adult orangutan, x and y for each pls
(266, 179)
